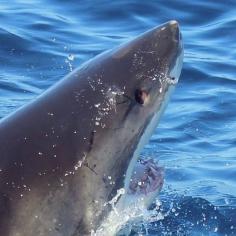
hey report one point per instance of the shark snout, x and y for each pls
(174, 39)
(176, 31)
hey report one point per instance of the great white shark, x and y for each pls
(66, 154)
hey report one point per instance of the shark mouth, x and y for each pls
(147, 177)
(129, 205)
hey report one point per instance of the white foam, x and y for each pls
(123, 219)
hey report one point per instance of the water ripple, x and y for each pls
(196, 137)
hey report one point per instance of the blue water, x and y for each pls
(42, 40)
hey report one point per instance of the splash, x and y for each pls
(130, 207)
(70, 58)
(122, 220)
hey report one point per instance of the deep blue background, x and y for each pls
(42, 40)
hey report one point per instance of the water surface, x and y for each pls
(42, 40)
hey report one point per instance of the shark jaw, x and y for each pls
(126, 207)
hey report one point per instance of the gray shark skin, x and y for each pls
(65, 155)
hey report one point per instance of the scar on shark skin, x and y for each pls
(91, 141)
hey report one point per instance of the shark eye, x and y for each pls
(141, 96)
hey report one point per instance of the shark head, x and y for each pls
(137, 81)
(76, 146)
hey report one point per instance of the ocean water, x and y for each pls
(42, 40)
